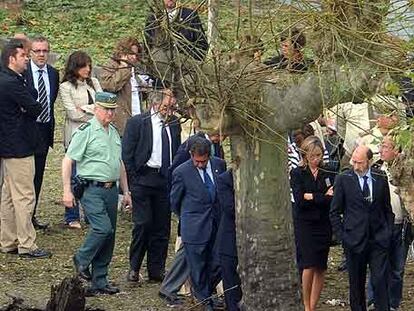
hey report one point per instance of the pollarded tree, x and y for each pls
(258, 106)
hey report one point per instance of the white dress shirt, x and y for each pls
(369, 181)
(137, 81)
(135, 100)
(155, 161)
(209, 172)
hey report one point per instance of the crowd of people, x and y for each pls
(121, 137)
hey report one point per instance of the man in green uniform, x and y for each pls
(96, 148)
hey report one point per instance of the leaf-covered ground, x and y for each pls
(95, 26)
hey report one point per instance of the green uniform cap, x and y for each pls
(106, 100)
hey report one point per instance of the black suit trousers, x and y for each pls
(377, 259)
(40, 156)
(231, 282)
(151, 232)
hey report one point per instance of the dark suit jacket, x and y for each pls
(361, 223)
(137, 143)
(301, 182)
(18, 114)
(226, 234)
(191, 40)
(191, 201)
(54, 89)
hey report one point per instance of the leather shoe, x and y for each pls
(156, 278)
(81, 271)
(36, 254)
(133, 276)
(38, 225)
(107, 290)
(172, 302)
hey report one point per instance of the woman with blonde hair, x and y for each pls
(312, 190)
(77, 92)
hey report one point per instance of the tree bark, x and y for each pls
(212, 30)
(264, 225)
(67, 296)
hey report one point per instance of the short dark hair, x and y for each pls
(10, 49)
(296, 37)
(200, 146)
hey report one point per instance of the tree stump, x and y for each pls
(68, 296)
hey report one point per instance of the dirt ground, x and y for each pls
(31, 279)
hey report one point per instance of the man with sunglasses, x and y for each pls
(45, 80)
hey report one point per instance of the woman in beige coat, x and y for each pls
(77, 93)
(123, 75)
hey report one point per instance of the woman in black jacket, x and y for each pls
(312, 191)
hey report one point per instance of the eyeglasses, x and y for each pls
(37, 52)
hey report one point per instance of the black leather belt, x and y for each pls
(148, 169)
(102, 184)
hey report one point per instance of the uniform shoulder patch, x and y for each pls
(84, 126)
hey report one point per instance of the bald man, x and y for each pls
(362, 218)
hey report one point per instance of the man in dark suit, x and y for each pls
(179, 270)
(149, 144)
(189, 37)
(362, 196)
(45, 80)
(194, 199)
(226, 242)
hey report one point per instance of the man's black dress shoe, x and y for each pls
(81, 271)
(38, 225)
(156, 278)
(172, 302)
(107, 290)
(133, 276)
(36, 254)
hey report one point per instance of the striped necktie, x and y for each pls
(42, 99)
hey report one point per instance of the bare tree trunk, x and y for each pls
(212, 29)
(265, 234)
